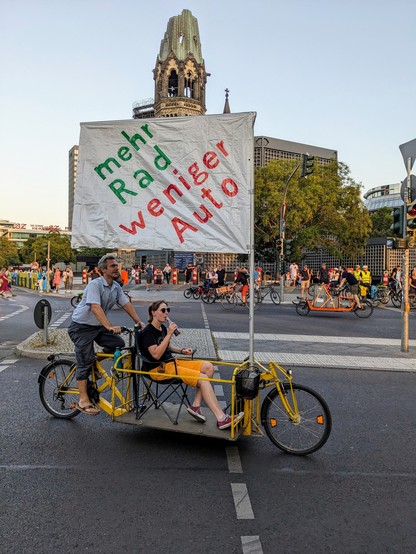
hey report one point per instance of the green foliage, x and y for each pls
(324, 210)
(382, 221)
(37, 248)
(8, 253)
(84, 251)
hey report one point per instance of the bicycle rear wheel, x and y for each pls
(54, 381)
(309, 427)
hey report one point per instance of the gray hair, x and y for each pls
(102, 262)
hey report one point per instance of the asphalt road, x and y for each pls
(91, 485)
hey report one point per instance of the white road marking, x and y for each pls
(233, 458)
(251, 545)
(17, 312)
(242, 501)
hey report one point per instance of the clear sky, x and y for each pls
(332, 73)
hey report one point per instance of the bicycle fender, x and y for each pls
(44, 371)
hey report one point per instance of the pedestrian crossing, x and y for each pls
(60, 320)
(382, 354)
(4, 364)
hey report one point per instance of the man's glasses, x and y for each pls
(163, 310)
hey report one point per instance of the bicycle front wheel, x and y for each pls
(75, 300)
(366, 312)
(302, 308)
(305, 429)
(396, 299)
(55, 380)
(275, 296)
(229, 301)
(187, 293)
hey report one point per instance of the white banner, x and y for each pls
(179, 183)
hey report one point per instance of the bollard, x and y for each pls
(174, 276)
(194, 276)
(84, 276)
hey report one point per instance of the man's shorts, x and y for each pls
(354, 289)
(186, 370)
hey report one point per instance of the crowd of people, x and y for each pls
(361, 277)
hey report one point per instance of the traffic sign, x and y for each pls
(39, 314)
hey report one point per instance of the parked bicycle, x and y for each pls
(268, 290)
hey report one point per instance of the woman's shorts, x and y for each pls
(186, 370)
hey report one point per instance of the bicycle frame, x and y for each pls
(330, 303)
(251, 422)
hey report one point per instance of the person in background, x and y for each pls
(306, 275)
(40, 280)
(323, 274)
(188, 273)
(4, 284)
(294, 270)
(412, 282)
(221, 275)
(158, 276)
(94, 273)
(149, 276)
(366, 279)
(57, 279)
(242, 279)
(68, 278)
(348, 278)
(132, 275)
(167, 270)
(357, 273)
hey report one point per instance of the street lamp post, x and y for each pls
(48, 261)
(282, 232)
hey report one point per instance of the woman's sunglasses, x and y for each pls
(163, 310)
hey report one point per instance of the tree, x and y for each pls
(324, 211)
(37, 248)
(382, 221)
(8, 252)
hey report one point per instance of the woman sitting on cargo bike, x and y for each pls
(155, 346)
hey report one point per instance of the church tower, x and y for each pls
(179, 74)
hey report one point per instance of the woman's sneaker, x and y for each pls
(195, 412)
(228, 420)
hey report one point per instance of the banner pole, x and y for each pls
(251, 269)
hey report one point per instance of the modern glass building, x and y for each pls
(386, 196)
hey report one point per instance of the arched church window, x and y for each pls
(189, 91)
(173, 84)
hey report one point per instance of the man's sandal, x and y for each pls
(89, 410)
